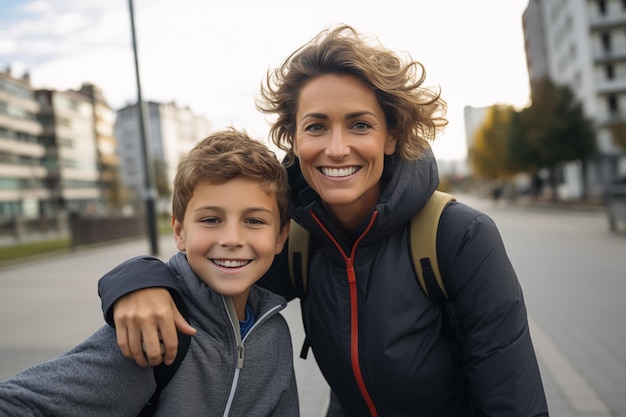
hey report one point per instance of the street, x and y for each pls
(572, 271)
(570, 267)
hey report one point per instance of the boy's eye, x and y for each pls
(210, 220)
(255, 221)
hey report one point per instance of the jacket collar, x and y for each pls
(406, 186)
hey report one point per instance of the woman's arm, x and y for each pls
(137, 299)
(498, 356)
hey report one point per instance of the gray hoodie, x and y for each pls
(221, 374)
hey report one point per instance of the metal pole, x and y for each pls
(149, 190)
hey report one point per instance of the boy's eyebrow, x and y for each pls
(247, 210)
(253, 209)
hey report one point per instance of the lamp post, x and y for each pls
(149, 191)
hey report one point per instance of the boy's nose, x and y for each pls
(231, 235)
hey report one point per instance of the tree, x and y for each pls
(489, 154)
(618, 131)
(553, 130)
(162, 183)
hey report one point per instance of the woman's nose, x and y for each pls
(337, 146)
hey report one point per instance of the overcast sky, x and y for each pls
(211, 55)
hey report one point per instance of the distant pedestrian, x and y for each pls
(497, 189)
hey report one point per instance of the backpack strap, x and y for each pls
(298, 244)
(164, 373)
(424, 242)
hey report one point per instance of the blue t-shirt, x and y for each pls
(246, 324)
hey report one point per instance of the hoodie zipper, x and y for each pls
(234, 321)
(354, 310)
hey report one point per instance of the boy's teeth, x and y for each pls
(231, 264)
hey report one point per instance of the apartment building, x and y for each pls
(23, 190)
(582, 44)
(71, 156)
(171, 131)
(113, 191)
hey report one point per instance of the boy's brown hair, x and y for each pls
(225, 155)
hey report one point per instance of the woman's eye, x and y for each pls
(316, 127)
(361, 126)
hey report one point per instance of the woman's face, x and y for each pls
(341, 140)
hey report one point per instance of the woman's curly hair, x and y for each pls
(414, 114)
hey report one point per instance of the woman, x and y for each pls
(355, 122)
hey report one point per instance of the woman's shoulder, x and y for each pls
(461, 228)
(458, 218)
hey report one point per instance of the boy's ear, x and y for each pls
(179, 235)
(282, 238)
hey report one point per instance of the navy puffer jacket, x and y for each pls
(375, 335)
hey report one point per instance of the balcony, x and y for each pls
(614, 56)
(613, 20)
(14, 147)
(22, 171)
(615, 85)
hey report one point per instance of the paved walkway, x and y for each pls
(50, 304)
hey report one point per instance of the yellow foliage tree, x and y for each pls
(618, 130)
(489, 153)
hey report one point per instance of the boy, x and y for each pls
(230, 218)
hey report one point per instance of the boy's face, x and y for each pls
(231, 233)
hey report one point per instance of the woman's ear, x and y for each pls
(294, 147)
(390, 145)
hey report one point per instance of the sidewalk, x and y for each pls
(50, 303)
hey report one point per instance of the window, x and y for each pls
(602, 6)
(573, 52)
(609, 71)
(613, 106)
(605, 38)
(14, 89)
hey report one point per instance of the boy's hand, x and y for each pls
(146, 322)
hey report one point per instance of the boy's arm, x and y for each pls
(137, 299)
(92, 379)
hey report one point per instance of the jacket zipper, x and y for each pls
(230, 309)
(354, 311)
(232, 314)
